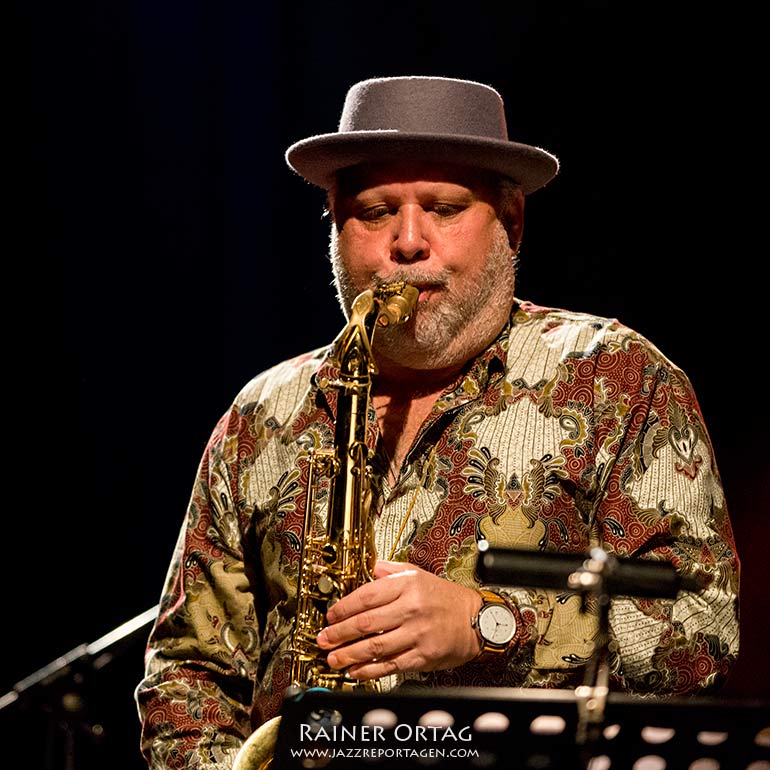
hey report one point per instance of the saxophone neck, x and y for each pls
(388, 305)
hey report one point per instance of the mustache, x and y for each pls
(416, 277)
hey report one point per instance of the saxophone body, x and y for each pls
(335, 562)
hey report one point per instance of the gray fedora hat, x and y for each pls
(422, 118)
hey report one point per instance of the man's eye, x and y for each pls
(373, 213)
(446, 209)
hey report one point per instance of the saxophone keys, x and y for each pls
(325, 584)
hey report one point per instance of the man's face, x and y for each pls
(437, 229)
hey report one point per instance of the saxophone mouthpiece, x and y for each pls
(398, 308)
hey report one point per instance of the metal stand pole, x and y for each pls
(57, 691)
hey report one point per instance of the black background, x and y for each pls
(159, 253)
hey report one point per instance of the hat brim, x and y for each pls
(319, 158)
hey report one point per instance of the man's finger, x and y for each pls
(384, 568)
(367, 597)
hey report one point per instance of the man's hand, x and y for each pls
(405, 620)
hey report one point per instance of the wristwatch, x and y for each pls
(495, 625)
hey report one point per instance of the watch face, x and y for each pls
(497, 624)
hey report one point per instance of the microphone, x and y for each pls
(596, 570)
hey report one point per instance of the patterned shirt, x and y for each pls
(569, 431)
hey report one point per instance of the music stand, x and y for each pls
(517, 729)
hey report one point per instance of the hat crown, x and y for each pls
(426, 119)
(424, 105)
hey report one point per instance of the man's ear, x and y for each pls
(513, 218)
(334, 209)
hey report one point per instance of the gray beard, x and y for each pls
(447, 332)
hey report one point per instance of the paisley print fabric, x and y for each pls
(571, 430)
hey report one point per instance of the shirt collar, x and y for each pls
(481, 372)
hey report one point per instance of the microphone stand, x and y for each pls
(591, 696)
(600, 574)
(57, 688)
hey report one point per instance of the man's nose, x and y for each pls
(410, 240)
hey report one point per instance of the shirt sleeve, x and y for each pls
(663, 500)
(195, 699)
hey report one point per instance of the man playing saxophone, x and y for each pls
(490, 419)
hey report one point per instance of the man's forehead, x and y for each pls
(351, 181)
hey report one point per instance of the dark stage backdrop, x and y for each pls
(160, 253)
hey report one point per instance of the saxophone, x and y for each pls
(341, 559)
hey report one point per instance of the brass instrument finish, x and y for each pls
(336, 562)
